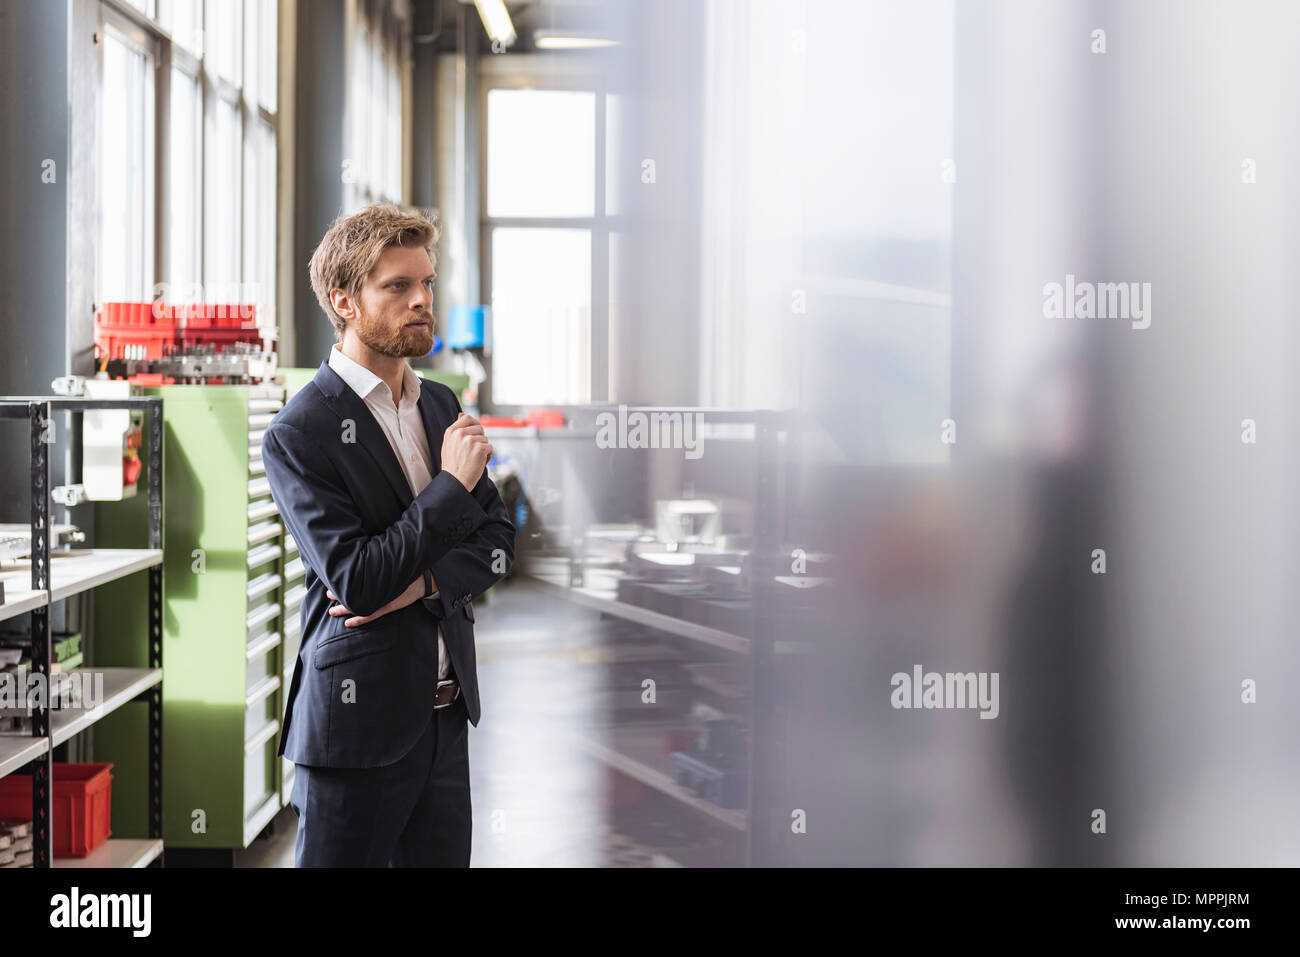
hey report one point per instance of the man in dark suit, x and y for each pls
(381, 479)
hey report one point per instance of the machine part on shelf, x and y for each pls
(608, 544)
(237, 363)
(663, 566)
(62, 536)
(200, 365)
(725, 787)
(16, 540)
(687, 520)
(726, 579)
(69, 385)
(63, 690)
(69, 495)
(14, 545)
(715, 767)
(153, 330)
(111, 441)
(16, 839)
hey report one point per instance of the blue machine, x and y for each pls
(465, 327)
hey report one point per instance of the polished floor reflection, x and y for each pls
(554, 785)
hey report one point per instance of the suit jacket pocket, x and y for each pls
(354, 643)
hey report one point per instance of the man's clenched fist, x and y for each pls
(465, 450)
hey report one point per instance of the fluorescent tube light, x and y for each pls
(554, 40)
(496, 21)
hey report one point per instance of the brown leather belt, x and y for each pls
(448, 691)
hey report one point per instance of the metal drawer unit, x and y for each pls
(294, 591)
(263, 698)
(224, 612)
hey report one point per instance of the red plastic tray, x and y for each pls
(82, 805)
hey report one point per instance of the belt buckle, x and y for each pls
(443, 684)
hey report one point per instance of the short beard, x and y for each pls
(401, 343)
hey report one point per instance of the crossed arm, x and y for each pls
(461, 536)
(469, 569)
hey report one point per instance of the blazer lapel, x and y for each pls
(346, 404)
(433, 429)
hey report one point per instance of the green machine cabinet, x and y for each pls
(231, 580)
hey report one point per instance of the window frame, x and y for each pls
(123, 19)
(544, 73)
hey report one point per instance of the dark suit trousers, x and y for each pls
(415, 813)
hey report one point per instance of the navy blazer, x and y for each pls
(362, 697)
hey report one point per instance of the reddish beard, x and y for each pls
(402, 342)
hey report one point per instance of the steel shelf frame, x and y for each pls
(39, 413)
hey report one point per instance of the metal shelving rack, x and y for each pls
(760, 648)
(71, 576)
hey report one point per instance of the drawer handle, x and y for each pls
(262, 555)
(261, 510)
(265, 688)
(264, 532)
(259, 648)
(266, 734)
(262, 584)
(293, 598)
(261, 616)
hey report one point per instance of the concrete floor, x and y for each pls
(540, 799)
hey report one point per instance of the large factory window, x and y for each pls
(184, 268)
(376, 63)
(212, 108)
(546, 230)
(126, 172)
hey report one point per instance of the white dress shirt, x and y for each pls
(403, 427)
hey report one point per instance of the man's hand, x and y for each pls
(414, 592)
(465, 450)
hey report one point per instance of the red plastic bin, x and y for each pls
(82, 805)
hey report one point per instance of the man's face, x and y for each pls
(393, 314)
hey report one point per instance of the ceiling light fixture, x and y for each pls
(496, 21)
(569, 40)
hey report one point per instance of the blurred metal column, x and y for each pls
(769, 524)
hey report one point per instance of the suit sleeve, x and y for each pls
(482, 558)
(365, 571)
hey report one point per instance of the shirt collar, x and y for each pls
(362, 381)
